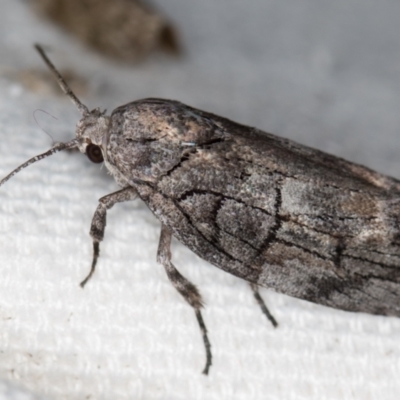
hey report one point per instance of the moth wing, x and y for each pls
(289, 218)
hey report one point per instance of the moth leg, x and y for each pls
(99, 222)
(184, 287)
(262, 304)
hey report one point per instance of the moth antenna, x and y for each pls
(63, 85)
(56, 148)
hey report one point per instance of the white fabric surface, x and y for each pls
(326, 74)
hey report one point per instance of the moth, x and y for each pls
(126, 30)
(265, 209)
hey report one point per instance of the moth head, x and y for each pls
(90, 131)
(92, 127)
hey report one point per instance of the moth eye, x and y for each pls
(94, 153)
